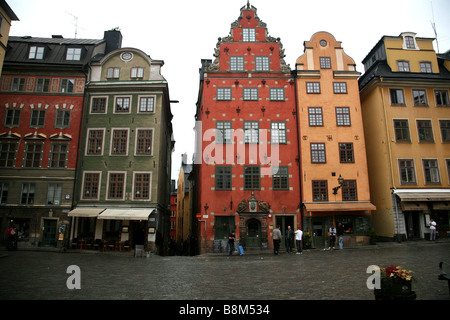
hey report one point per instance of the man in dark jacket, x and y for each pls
(289, 239)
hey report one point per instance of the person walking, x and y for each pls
(298, 240)
(340, 234)
(289, 239)
(276, 234)
(432, 230)
(231, 239)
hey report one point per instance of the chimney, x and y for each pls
(184, 158)
(113, 39)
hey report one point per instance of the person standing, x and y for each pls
(289, 239)
(432, 230)
(298, 240)
(11, 237)
(340, 234)
(332, 232)
(231, 239)
(276, 234)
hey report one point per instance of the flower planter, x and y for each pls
(394, 289)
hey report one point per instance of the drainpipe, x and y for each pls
(294, 73)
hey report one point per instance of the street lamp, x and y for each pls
(341, 182)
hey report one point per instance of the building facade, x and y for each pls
(7, 15)
(247, 181)
(123, 180)
(334, 174)
(42, 94)
(405, 104)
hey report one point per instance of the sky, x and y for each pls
(182, 32)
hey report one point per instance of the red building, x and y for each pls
(247, 150)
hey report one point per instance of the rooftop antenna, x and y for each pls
(433, 25)
(75, 23)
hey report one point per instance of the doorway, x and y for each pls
(284, 222)
(253, 239)
(318, 232)
(138, 233)
(49, 233)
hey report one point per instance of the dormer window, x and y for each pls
(73, 54)
(409, 41)
(36, 53)
(248, 35)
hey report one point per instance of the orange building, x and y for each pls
(334, 175)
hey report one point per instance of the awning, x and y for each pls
(85, 212)
(414, 206)
(441, 205)
(126, 214)
(423, 194)
(339, 206)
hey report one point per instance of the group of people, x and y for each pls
(289, 239)
(12, 235)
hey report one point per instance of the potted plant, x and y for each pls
(373, 236)
(396, 284)
(307, 240)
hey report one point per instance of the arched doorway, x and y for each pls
(253, 239)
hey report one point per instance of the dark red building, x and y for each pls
(247, 151)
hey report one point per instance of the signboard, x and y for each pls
(138, 250)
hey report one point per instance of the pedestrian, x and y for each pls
(432, 230)
(11, 237)
(276, 234)
(289, 240)
(231, 239)
(332, 232)
(340, 234)
(298, 240)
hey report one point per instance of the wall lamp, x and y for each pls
(341, 182)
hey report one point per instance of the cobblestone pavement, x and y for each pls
(314, 275)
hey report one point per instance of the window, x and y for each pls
(315, 116)
(420, 97)
(43, 85)
(122, 105)
(340, 87)
(36, 53)
(67, 85)
(119, 142)
(250, 93)
(7, 154)
(142, 186)
(425, 130)
(426, 67)
(223, 178)
(116, 185)
(91, 185)
(113, 73)
(251, 132)
(431, 171)
(62, 119)
(27, 194)
(318, 153)
(248, 35)
(223, 132)
(441, 98)
(445, 130)
(137, 72)
(4, 188)
(448, 169)
(54, 192)
(37, 118)
(98, 105)
(401, 130)
(397, 97)
(146, 104)
(276, 94)
(223, 226)
(262, 63)
(346, 153)
(349, 191)
(58, 155)
(144, 142)
(409, 41)
(343, 116)
(73, 54)
(313, 87)
(403, 66)
(12, 117)
(278, 132)
(320, 190)
(237, 63)
(18, 84)
(33, 153)
(325, 63)
(223, 94)
(252, 178)
(407, 171)
(95, 142)
(280, 178)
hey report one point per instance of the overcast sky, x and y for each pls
(182, 32)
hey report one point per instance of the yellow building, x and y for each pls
(406, 113)
(6, 17)
(334, 174)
